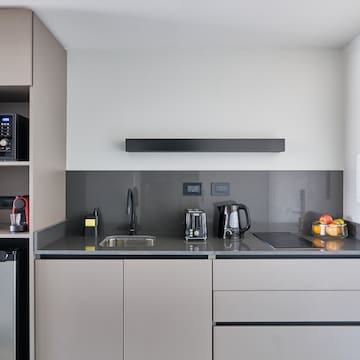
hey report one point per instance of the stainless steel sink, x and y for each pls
(127, 241)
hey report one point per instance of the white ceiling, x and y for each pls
(116, 24)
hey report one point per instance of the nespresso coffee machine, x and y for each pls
(195, 225)
(19, 217)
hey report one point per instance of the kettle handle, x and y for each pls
(247, 216)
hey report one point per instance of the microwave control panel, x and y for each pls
(14, 137)
(6, 135)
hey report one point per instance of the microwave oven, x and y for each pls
(14, 137)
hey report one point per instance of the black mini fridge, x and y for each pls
(8, 316)
(14, 299)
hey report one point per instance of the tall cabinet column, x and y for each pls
(33, 84)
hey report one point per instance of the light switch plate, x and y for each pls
(192, 189)
(220, 189)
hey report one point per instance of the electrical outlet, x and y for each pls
(192, 189)
(220, 189)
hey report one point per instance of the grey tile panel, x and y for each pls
(354, 229)
(285, 200)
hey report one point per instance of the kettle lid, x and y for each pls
(223, 204)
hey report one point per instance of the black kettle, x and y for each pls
(231, 222)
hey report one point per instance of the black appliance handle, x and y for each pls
(247, 216)
(6, 256)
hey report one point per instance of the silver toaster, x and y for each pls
(195, 225)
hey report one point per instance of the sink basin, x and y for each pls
(127, 241)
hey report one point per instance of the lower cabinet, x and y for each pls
(281, 309)
(286, 342)
(79, 309)
(167, 310)
(123, 309)
(161, 309)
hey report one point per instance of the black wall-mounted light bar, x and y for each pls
(205, 145)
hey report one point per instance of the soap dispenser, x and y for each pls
(91, 226)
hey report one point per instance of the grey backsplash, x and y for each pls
(278, 200)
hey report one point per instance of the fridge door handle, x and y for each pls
(3, 256)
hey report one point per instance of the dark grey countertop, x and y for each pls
(54, 242)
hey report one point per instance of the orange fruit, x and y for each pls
(316, 229)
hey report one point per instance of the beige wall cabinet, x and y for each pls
(16, 47)
(79, 309)
(167, 310)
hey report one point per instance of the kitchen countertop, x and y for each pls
(53, 243)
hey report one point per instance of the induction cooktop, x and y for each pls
(284, 240)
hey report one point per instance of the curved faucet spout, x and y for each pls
(131, 212)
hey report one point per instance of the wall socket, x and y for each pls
(192, 189)
(220, 189)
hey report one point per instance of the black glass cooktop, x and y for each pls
(280, 240)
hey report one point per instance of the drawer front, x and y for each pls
(287, 274)
(286, 306)
(286, 342)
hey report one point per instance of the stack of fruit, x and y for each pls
(329, 232)
(327, 226)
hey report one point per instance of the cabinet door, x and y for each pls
(16, 47)
(167, 310)
(79, 309)
(286, 342)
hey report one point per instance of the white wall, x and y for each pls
(295, 94)
(352, 136)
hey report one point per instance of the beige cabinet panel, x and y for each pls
(286, 306)
(287, 274)
(16, 47)
(286, 342)
(47, 130)
(167, 310)
(79, 309)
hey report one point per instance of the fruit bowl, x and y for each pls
(329, 231)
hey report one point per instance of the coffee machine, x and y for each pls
(195, 225)
(20, 214)
(232, 225)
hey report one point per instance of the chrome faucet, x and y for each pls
(131, 212)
